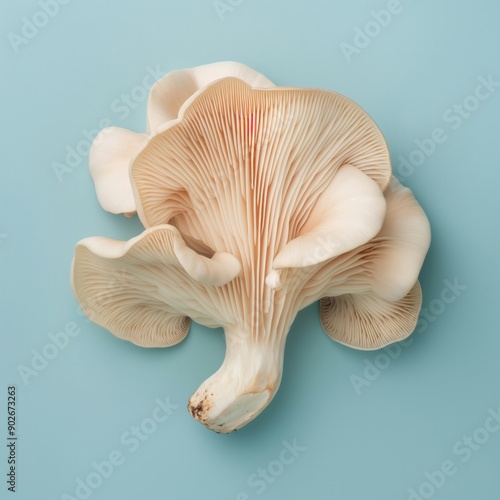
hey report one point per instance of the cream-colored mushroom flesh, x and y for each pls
(257, 203)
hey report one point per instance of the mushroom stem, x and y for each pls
(243, 386)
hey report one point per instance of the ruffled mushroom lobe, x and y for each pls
(376, 298)
(366, 321)
(114, 147)
(146, 289)
(169, 93)
(109, 161)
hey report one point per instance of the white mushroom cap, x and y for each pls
(109, 160)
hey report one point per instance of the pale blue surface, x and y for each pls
(373, 446)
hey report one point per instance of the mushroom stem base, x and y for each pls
(243, 386)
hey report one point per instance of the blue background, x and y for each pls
(407, 416)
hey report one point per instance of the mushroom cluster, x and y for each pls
(257, 201)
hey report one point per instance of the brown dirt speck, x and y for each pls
(200, 411)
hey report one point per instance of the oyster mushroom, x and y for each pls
(257, 201)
